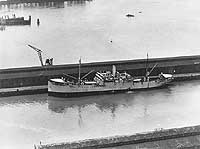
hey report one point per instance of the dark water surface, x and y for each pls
(26, 120)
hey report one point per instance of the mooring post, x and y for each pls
(29, 20)
(38, 22)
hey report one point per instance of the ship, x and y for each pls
(108, 82)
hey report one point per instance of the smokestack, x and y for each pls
(114, 70)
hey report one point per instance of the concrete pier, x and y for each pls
(15, 21)
(182, 67)
(29, 79)
(186, 137)
(11, 2)
(4, 92)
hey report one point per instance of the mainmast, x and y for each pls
(147, 65)
(79, 71)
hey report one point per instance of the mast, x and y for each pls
(79, 71)
(147, 61)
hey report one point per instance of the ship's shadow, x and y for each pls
(103, 102)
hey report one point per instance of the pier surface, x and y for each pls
(186, 137)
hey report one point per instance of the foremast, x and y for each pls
(79, 72)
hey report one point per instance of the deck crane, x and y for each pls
(39, 52)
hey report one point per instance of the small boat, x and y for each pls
(130, 15)
(104, 83)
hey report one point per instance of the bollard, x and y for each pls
(38, 22)
(29, 19)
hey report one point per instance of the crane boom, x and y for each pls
(39, 53)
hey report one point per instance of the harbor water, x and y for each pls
(27, 120)
(98, 30)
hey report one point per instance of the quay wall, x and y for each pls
(10, 2)
(34, 76)
(42, 2)
(176, 135)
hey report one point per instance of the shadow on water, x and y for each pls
(102, 102)
(107, 104)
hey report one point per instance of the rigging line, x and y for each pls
(70, 76)
(87, 74)
(153, 68)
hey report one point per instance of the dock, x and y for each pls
(31, 78)
(184, 138)
(15, 21)
(5, 92)
(36, 76)
(29, 2)
(11, 2)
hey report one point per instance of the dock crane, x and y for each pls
(39, 52)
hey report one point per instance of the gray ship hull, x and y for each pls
(81, 94)
(60, 89)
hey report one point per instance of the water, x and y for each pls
(27, 120)
(68, 31)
